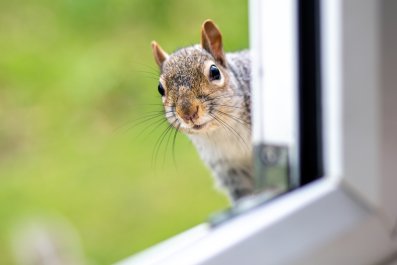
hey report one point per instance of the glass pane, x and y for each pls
(275, 105)
(287, 131)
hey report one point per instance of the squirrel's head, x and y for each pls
(194, 83)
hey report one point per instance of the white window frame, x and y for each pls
(349, 216)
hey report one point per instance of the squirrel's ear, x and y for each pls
(211, 40)
(159, 54)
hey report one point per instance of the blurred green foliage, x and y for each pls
(74, 75)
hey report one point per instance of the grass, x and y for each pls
(74, 75)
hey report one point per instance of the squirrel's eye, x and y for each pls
(161, 89)
(215, 74)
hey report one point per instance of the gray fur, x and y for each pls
(226, 147)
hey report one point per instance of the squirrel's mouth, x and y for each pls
(199, 126)
(204, 127)
(195, 126)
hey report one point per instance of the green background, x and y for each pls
(75, 76)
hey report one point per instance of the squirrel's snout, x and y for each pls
(190, 114)
(188, 107)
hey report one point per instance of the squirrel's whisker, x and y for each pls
(137, 122)
(231, 129)
(160, 141)
(223, 96)
(211, 104)
(168, 140)
(233, 117)
(173, 143)
(155, 124)
(157, 145)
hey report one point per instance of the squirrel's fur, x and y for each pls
(206, 94)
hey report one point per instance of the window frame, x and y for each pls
(349, 216)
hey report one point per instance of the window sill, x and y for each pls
(277, 233)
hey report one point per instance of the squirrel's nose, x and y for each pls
(191, 114)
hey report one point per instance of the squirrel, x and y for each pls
(206, 95)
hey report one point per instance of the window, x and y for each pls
(336, 121)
